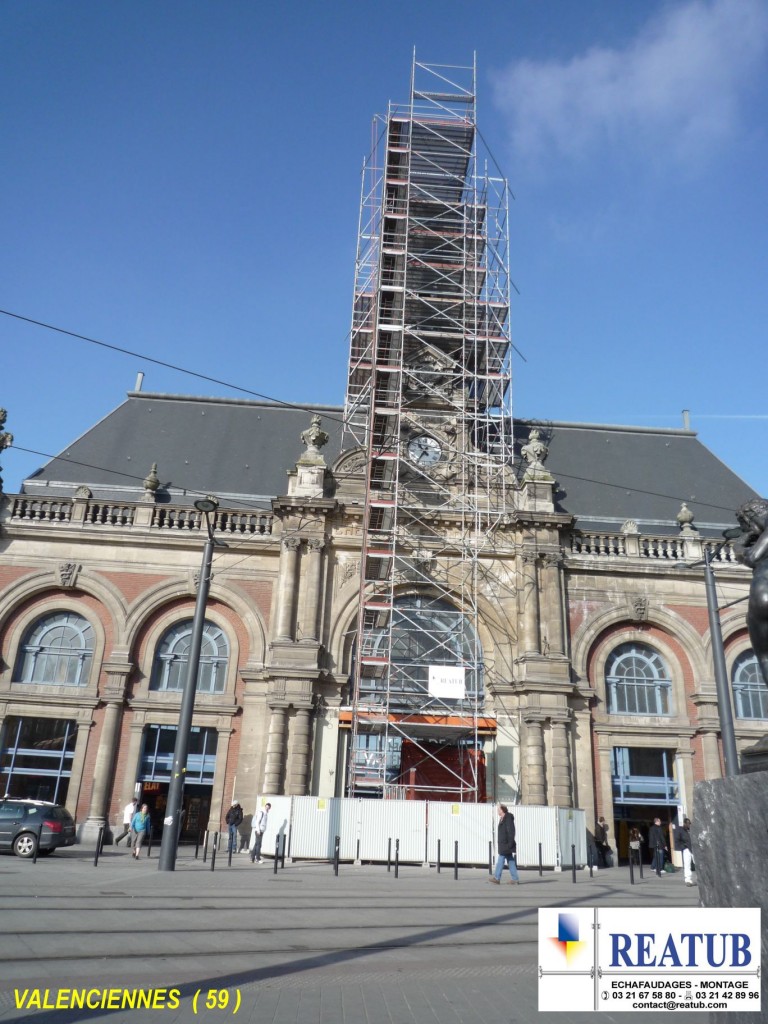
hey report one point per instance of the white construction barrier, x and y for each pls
(365, 827)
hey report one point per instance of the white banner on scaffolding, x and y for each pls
(447, 682)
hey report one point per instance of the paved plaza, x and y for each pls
(300, 946)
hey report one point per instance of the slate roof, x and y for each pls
(241, 451)
(238, 450)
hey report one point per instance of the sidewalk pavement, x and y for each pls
(301, 945)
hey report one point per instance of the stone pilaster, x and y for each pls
(275, 759)
(529, 604)
(550, 575)
(534, 778)
(286, 593)
(114, 691)
(312, 584)
(562, 791)
(300, 748)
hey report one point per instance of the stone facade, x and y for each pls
(557, 604)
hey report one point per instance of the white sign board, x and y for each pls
(447, 682)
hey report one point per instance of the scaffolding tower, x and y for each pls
(429, 402)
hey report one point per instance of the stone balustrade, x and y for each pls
(672, 548)
(136, 515)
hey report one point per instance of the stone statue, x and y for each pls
(535, 451)
(752, 549)
(314, 437)
(6, 440)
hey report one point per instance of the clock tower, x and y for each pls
(428, 402)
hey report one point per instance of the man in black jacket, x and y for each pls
(234, 819)
(506, 846)
(683, 844)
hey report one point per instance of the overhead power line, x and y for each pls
(161, 362)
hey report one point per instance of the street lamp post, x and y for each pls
(724, 708)
(167, 860)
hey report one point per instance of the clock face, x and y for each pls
(424, 450)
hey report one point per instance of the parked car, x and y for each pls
(20, 822)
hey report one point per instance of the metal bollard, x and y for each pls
(573, 861)
(541, 862)
(282, 852)
(438, 856)
(357, 854)
(197, 844)
(589, 860)
(205, 846)
(213, 850)
(389, 854)
(99, 844)
(336, 847)
(277, 854)
(490, 857)
(456, 859)
(397, 857)
(149, 844)
(229, 856)
(640, 861)
(631, 869)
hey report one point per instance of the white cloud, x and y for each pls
(677, 88)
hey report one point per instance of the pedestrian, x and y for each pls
(657, 843)
(234, 820)
(683, 844)
(635, 843)
(141, 829)
(128, 812)
(506, 846)
(601, 842)
(261, 828)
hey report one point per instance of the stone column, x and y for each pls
(313, 581)
(286, 593)
(300, 748)
(78, 765)
(562, 795)
(553, 602)
(273, 768)
(710, 750)
(535, 781)
(117, 675)
(529, 604)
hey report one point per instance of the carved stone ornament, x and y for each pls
(639, 608)
(314, 437)
(630, 528)
(68, 573)
(196, 578)
(151, 483)
(83, 493)
(535, 451)
(348, 570)
(6, 439)
(685, 519)
(291, 543)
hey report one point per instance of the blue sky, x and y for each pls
(182, 179)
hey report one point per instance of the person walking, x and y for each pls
(261, 828)
(635, 844)
(684, 846)
(506, 846)
(601, 842)
(141, 829)
(657, 843)
(234, 820)
(128, 812)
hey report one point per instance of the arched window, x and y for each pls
(171, 659)
(57, 649)
(637, 681)
(749, 690)
(429, 635)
